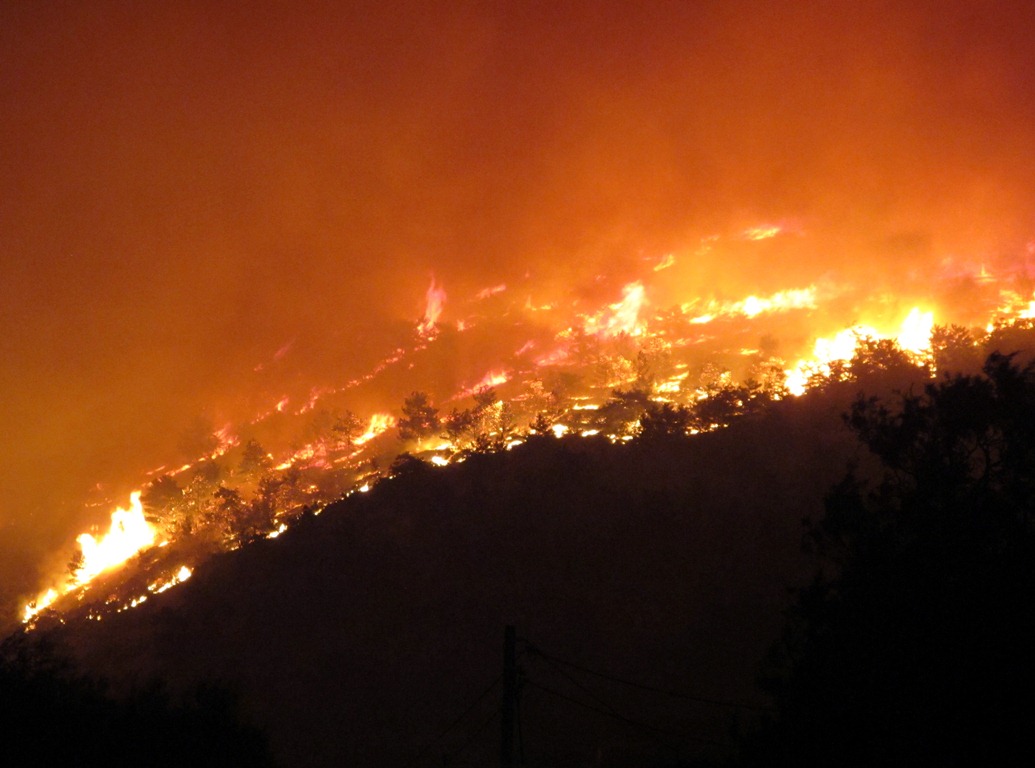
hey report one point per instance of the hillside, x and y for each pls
(361, 634)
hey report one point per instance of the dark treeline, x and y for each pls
(55, 715)
(914, 643)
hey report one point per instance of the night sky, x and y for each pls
(186, 188)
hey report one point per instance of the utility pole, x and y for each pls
(510, 694)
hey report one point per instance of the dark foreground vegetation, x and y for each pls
(915, 645)
(649, 586)
(54, 715)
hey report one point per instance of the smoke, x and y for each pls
(189, 188)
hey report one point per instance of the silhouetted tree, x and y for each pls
(621, 413)
(719, 408)
(915, 644)
(419, 418)
(227, 517)
(541, 425)
(347, 427)
(880, 357)
(954, 349)
(663, 421)
(162, 493)
(254, 458)
(407, 465)
(74, 564)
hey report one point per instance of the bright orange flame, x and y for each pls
(436, 299)
(490, 379)
(379, 422)
(227, 440)
(762, 233)
(913, 336)
(623, 317)
(485, 293)
(129, 533)
(160, 586)
(752, 306)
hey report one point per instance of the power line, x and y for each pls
(627, 720)
(578, 685)
(459, 719)
(633, 684)
(477, 732)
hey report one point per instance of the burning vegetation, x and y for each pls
(628, 369)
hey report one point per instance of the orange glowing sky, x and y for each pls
(188, 188)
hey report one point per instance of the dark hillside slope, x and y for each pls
(357, 637)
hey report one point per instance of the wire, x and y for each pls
(458, 720)
(627, 720)
(476, 734)
(674, 694)
(578, 685)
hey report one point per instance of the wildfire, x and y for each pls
(623, 317)
(379, 422)
(128, 534)
(161, 585)
(662, 358)
(913, 337)
(752, 306)
(435, 299)
(490, 379)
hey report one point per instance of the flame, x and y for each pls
(913, 336)
(226, 439)
(435, 298)
(485, 293)
(38, 605)
(160, 586)
(490, 379)
(752, 306)
(761, 233)
(379, 422)
(623, 317)
(666, 261)
(129, 533)
(668, 351)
